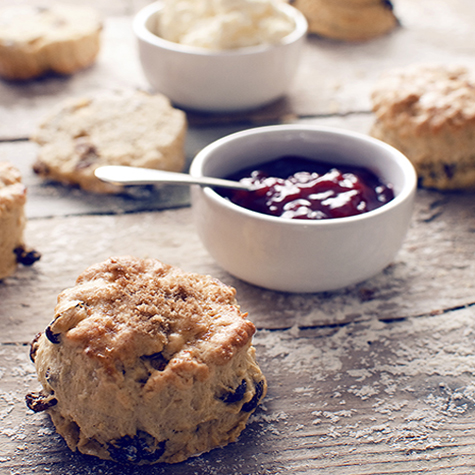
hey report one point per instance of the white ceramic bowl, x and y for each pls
(223, 81)
(302, 255)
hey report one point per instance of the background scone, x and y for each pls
(12, 221)
(348, 20)
(428, 113)
(145, 363)
(36, 40)
(119, 128)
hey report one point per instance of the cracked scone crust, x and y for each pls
(428, 113)
(119, 128)
(12, 222)
(144, 363)
(348, 20)
(36, 40)
(12, 217)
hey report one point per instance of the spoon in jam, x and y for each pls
(124, 175)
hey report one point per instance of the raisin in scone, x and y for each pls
(428, 113)
(145, 363)
(348, 20)
(118, 128)
(36, 40)
(12, 221)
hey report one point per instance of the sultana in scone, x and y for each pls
(145, 363)
(117, 128)
(348, 20)
(59, 38)
(428, 113)
(12, 221)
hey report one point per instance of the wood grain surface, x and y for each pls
(373, 379)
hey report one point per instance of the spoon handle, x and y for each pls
(124, 175)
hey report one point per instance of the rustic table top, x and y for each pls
(373, 379)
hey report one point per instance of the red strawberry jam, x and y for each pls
(300, 188)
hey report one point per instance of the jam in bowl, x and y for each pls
(302, 255)
(300, 188)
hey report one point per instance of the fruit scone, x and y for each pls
(131, 128)
(348, 20)
(427, 111)
(12, 221)
(60, 38)
(145, 363)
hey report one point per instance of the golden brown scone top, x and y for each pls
(59, 38)
(348, 20)
(36, 26)
(425, 97)
(12, 190)
(118, 127)
(128, 308)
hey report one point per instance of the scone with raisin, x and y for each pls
(12, 221)
(118, 128)
(427, 111)
(59, 38)
(145, 363)
(348, 20)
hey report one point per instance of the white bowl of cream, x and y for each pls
(229, 63)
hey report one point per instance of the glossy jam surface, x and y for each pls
(301, 188)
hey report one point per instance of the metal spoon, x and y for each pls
(123, 175)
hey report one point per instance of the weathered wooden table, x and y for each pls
(378, 378)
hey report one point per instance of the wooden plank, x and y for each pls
(433, 273)
(372, 398)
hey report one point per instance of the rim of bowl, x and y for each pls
(403, 162)
(142, 32)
